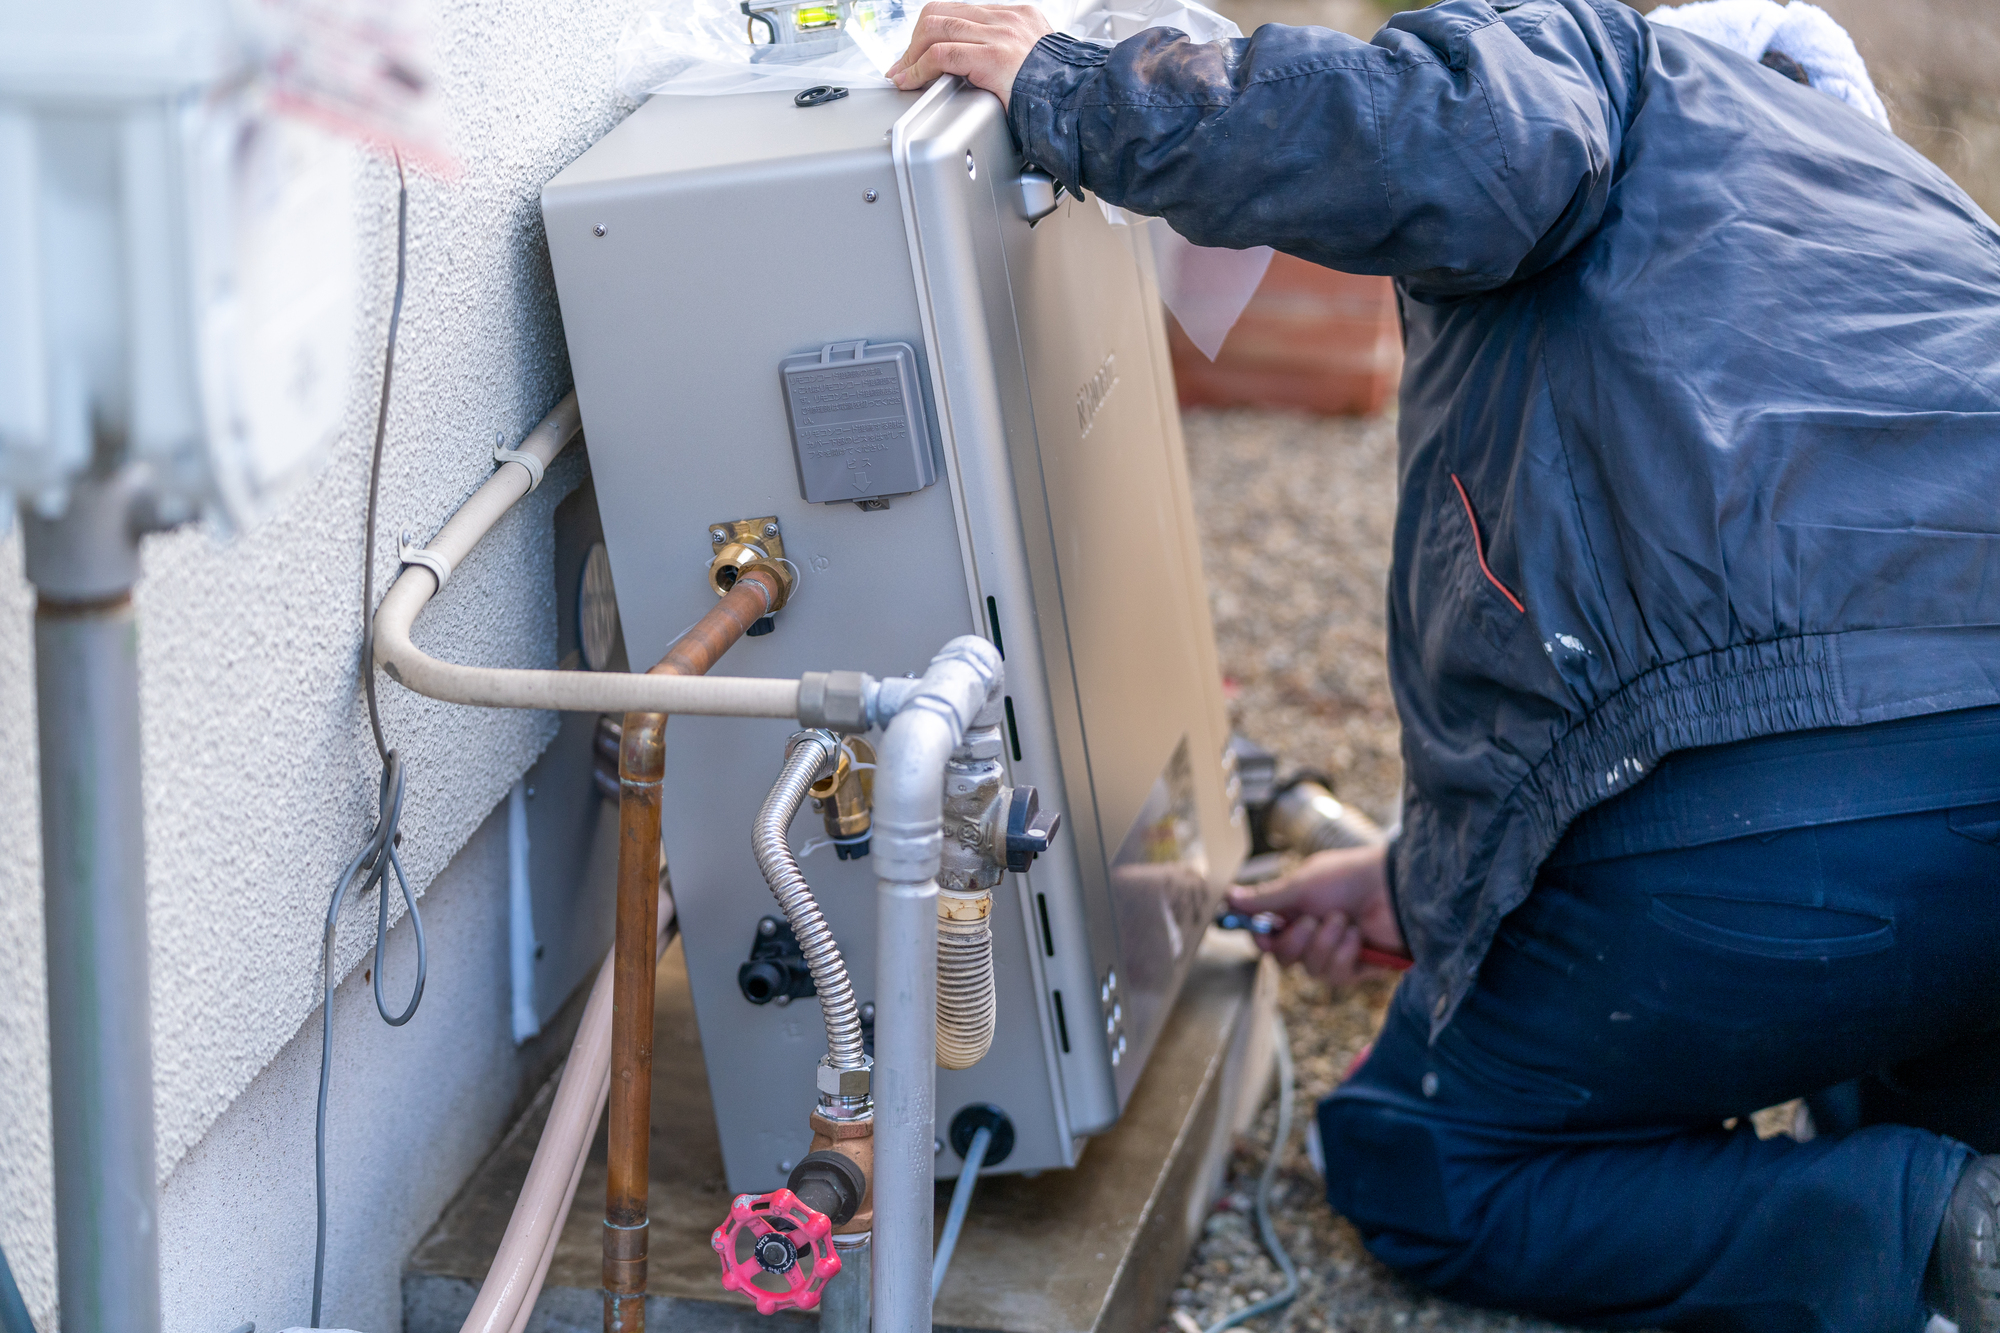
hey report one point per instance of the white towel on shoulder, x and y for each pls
(1804, 32)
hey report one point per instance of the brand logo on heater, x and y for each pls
(1090, 398)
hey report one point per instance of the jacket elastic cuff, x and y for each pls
(1395, 899)
(1041, 110)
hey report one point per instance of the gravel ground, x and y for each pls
(1296, 516)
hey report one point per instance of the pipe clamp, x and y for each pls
(504, 456)
(436, 562)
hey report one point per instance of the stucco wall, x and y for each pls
(412, 1110)
(259, 775)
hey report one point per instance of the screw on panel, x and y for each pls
(869, 196)
(770, 529)
(598, 230)
(718, 536)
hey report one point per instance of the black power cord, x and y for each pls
(371, 865)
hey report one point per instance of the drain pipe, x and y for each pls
(83, 566)
(642, 766)
(960, 691)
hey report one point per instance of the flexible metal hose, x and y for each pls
(965, 998)
(771, 841)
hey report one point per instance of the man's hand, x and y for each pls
(1332, 904)
(987, 44)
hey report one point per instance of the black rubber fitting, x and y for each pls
(763, 981)
(978, 1116)
(831, 1183)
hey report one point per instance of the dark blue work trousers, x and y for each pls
(1560, 1149)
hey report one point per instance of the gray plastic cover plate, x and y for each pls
(858, 422)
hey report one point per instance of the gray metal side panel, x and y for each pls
(1116, 517)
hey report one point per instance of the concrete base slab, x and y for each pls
(1097, 1248)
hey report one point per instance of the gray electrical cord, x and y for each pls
(13, 1310)
(1269, 1233)
(371, 865)
(961, 1200)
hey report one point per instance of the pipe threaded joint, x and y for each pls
(966, 1007)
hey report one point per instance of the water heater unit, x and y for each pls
(863, 334)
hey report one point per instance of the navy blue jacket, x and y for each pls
(1700, 430)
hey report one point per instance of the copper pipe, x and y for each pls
(641, 766)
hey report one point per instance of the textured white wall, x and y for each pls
(411, 1112)
(259, 774)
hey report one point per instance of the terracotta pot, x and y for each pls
(1310, 338)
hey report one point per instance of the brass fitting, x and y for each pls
(742, 545)
(845, 797)
(855, 1140)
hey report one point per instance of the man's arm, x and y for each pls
(1461, 148)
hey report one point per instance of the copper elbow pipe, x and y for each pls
(641, 766)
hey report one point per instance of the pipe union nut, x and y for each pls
(843, 1082)
(834, 700)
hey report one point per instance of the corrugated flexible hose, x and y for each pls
(965, 1003)
(771, 841)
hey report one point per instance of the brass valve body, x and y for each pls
(855, 1140)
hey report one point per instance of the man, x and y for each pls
(1694, 631)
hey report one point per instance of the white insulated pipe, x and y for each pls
(567, 691)
(507, 1298)
(961, 690)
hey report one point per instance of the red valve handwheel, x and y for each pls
(784, 1239)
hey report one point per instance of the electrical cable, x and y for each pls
(13, 1310)
(961, 1200)
(1268, 1232)
(371, 865)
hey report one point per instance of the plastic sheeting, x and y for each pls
(1205, 286)
(703, 48)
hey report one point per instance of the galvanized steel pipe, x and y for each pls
(83, 566)
(961, 690)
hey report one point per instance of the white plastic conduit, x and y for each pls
(961, 690)
(569, 691)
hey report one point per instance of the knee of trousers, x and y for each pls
(1386, 1174)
